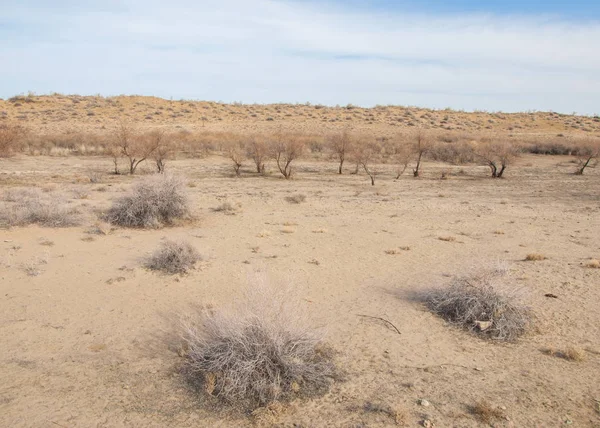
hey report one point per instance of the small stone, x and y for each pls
(88, 332)
(483, 325)
(424, 403)
(427, 423)
(503, 407)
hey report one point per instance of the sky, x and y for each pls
(465, 54)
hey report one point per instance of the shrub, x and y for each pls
(260, 352)
(534, 257)
(483, 304)
(296, 199)
(174, 257)
(21, 207)
(154, 202)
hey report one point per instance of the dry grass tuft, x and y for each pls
(447, 238)
(593, 264)
(174, 257)
(259, 352)
(485, 412)
(226, 207)
(21, 207)
(484, 303)
(295, 199)
(154, 202)
(569, 354)
(534, 257)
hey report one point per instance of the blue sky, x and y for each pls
(472, 55)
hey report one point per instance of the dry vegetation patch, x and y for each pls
(20, 207)
(154, 202)
(174, 257)
(484, 303)
(259, 352)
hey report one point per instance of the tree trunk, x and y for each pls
(160, 165)
(116, 162)
(416, 171)
(499, 174)
(341, 164)
(583, 167)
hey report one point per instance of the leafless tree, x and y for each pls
(340, 145)
(257, 150)
(236, 152)
(365, 154)
(496, 154)
(136, 148)
(422, 144)
(285, 148)
(588, 155)
(164, 146)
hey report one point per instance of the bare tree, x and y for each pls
(400, 152)
(365, 153)
(588, 155)
(236, 152)
(496, 154)
(285, 148)
(164, 146)
(257, 150)
(422, 144)
(136, 148)
(10, 137)
(340, 144)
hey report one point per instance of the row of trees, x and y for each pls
(364, 152)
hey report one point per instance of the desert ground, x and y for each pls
(87, 332)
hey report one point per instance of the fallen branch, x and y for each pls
(381, 319)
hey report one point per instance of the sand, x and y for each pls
(88, 341)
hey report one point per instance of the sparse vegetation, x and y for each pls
(298, 198)
(154, 202)
(534, 257)
(484, 303)
(21, 207)
(570, 354)
(174, 257)
(10, 137)
(485, 412)
(260, 352)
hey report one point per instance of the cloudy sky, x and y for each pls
(466, 54)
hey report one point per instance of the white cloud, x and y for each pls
(269, 51)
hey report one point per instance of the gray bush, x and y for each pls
(174, 257)
(259, 353)
(484, 303)
(154, 202)
(20, 207)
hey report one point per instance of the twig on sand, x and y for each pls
(381, 319)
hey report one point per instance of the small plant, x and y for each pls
(296, 199)
(156, 201)
(569, 354)
(534, 257)
(485, 412)
(593, 264)
(258, 353)
(226, 207)
(484, 303)
(33, 206)
(174, 257)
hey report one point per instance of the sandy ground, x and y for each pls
(87, 342)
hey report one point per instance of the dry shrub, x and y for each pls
(226, 207)
(484, 303)
(174, 257)
(485, 412)
(259, 352)
(569, 354)
(593, 264)
(154, 202)
(296, 199)
(534, 257)
(21, 207)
